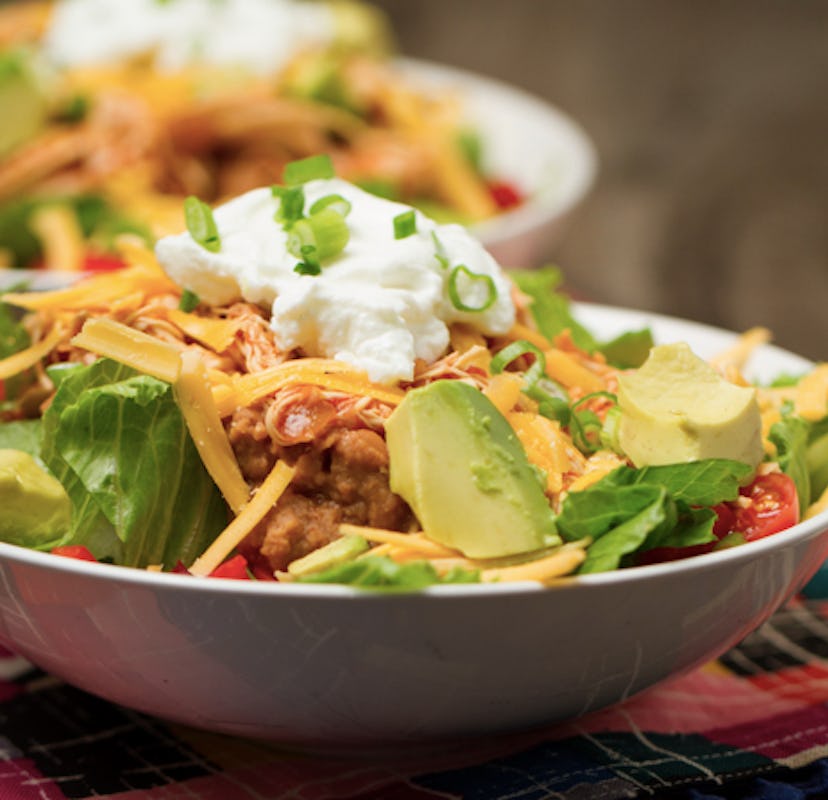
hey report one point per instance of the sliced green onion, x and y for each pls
(585, 425)
(189, 300)
(326, 231)
(405, 224)
(291, 203)
(472, 148)
(310, 262)
(514, 351)
(380, 188)
(551, 399)
(335, 202)
(440, 251)
(454, 290)
(201, 225)
(309, 169)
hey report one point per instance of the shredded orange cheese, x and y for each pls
(325, 373)
(264, 498)
(97, 292)
(564, 368)
(61, 237)
(131, 347)
(217, 334)
(416, 542)
(545, 445)
(543, 570)
(194, 398)
(24, 359)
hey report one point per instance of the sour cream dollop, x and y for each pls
(379, 305)
(259, 35)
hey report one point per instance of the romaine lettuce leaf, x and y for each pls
(380, 572)
(21, 435)
(790, 435)
(551, 310)
(140, 493)
(633, 510)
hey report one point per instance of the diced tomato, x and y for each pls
(2, 391)
(235, 568)
(262, 573)
(660, 554)
(505, 195)
(101, 262)
(769, 505)
(74, 551)
(93, 262)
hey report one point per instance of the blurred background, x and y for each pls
(711, 124)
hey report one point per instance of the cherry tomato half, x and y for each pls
(769, 505)
(235, 568)
(505, 195)
(101, 262)
(74, 551)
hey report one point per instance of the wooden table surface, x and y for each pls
(711, 123)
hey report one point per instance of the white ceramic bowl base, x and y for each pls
(334, 668)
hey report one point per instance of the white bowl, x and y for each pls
(528, 142)
(333, 667)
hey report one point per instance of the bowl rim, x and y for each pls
(135, 578)
(539, 208)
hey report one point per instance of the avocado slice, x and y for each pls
(457, 462)
(346, 548)
(676, 408)
(23, 103)
(36, 509)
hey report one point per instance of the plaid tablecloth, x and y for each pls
(752, 725)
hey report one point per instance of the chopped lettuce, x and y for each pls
(380, 572)
(552, 312)
(118, 443)
(790, 435)
(634, 510)
(816, 457)
(24, 434)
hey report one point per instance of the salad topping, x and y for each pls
(199, 420)
(369, 296)
(260, 35)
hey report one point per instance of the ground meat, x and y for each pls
(341, 478)
(255, 450)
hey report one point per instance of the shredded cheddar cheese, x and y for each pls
(264, 498)
(131, 347)
(24, 359)
(192, 392)
(61, 237)
(325, 373)
(217, 334)
(564, 368)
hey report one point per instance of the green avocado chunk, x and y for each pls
(346, 548)
(36, 509)
(457, 462)
(23, 104)
(676, 408)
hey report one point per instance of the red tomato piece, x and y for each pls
(235, 568)
(74, 551)
(505, 195)
(769, 505)
(101, 262)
